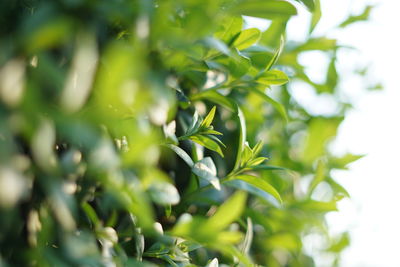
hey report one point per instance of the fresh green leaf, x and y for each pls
(215, 97)
(242, 137)
(273, 77)
(228, 212)
(259, 183)
(310, 4)
(207, 142)
(272, 9)
(247, 38)
(209, 118)
(316, 16)
(353, 19)
(278, 106)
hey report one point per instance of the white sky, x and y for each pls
(372, 128)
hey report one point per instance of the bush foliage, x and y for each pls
(162, 132)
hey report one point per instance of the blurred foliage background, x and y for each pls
(145, 132)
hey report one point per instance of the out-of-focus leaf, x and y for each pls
(332, 77)
(247, 38)
(206, 169)
(285, 241)
(272, 36)
(228, 212)
(248, 239)
(316, 16)
(259, 56)
(259, 183)
(164, 193)
(273, 77)
(320, 43)
(319, 175)
(310, 4)
(318, 206)
(276, 54)
(362, 17)
(340, 243)
(242, 185)
(213, 263)
(215, 97)
(320, 131)
(242, 137)
(272, 9)
(278, 106)
(342, 162)
(231, 28)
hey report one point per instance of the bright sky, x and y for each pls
(372, 128)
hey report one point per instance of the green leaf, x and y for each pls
(238, 65)
(319, 176)
(268, 168)
(278, 106)
(320, 43)
(196, 121)
(362, 17)
(308, 3)
(256, 161)
(273, 77)
(228, 212)
(259, 183)
(257, 148)
(259, 56)
(246, 155)
(164, 193)
(247, 38)
(340, 243)
(320, 131)
(273, 35)
(207, 142)
(231, 28)
(277, 53)
(318, 206)
(248, 239)
(242, 185)
(332, 77)
(342, 162)
(316, 16)
(242, 137)
(206, 169)
(272, 9)
(215, 97)
(182, 154)
(209, 118)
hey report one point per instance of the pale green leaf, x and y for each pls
(272, 9)
(278, 106)
(259, 183)
(206, 169)
(273, 77)
(182, 154)
(209, 118)
(247, 38)
(228, 212)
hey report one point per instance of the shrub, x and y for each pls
(135, 133)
